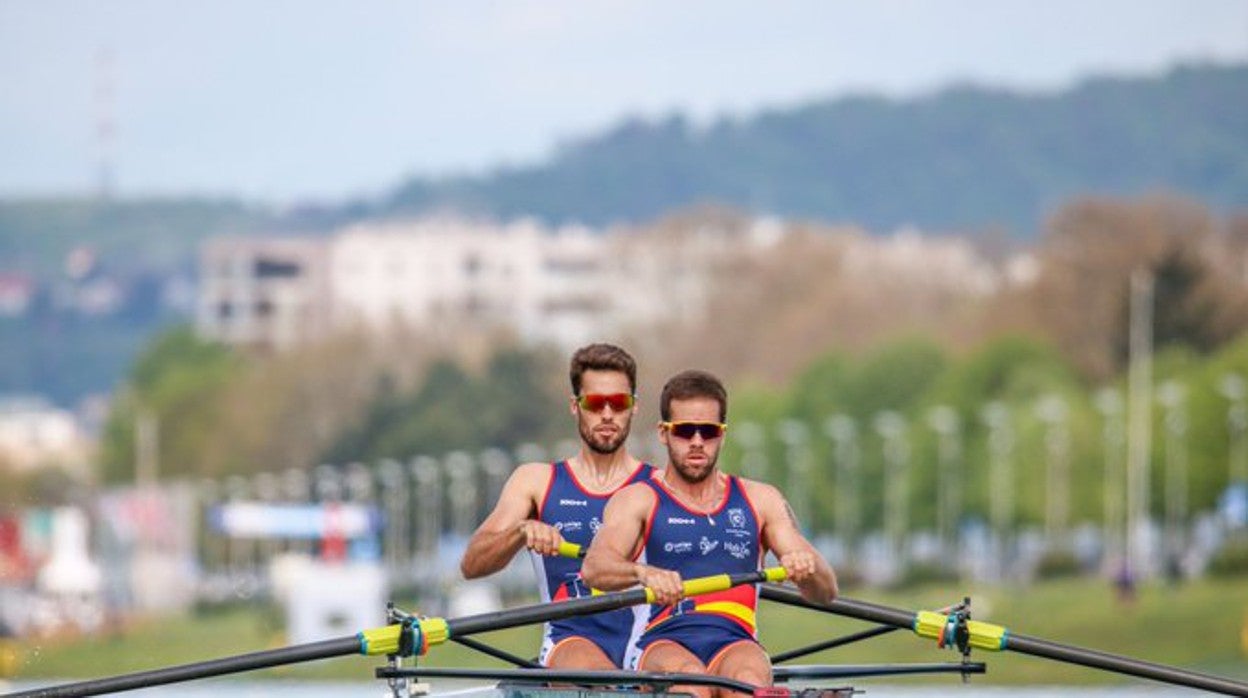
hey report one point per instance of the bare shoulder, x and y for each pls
(769, 502)
(762, 493)
(531, 478)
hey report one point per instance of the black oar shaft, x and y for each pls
(861, 610)
(1125, 665)
(499, 620)
(199, 670)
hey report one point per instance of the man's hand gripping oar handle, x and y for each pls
(417, 635)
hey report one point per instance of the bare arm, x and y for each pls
(805, 566)
(609, 564)
(511, 526)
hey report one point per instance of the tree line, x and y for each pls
(963, 159)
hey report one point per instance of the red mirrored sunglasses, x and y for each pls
(596, 402)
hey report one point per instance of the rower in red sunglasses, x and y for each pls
(542, 505)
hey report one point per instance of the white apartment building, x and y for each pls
(263, 293)
(445, 272)
(565, 286)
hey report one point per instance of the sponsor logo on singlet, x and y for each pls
(680, 520)
(681, 547)
(738, 526)
(573, 503)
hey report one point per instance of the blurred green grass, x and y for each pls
(1201, 626)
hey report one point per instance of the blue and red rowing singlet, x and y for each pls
(577, 513)
(726, 540)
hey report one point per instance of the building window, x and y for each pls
(276, 269)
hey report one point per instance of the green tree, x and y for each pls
(179, 381)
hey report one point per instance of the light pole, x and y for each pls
(1052, 410)
(1172, 397)
(209, 495)
(1113, 434)
(948, 427)
(461, 476)
(1233, 389)
(496, 465)
(1000, 478)
(236, 492)
(891, 427)
(844, 434)
(394, 497)
(797, 450)
(427, 482)
(266, 487)
(1139, 421)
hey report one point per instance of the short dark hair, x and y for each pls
(602, 357)
(690, 384)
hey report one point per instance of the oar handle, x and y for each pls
(572, 550)
(720, 582)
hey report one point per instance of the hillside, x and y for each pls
(965, 158)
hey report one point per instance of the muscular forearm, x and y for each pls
(609, 572)
(821, 586)
(490, 551)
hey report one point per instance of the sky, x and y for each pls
(288, 101)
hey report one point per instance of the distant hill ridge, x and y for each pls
(965, 158)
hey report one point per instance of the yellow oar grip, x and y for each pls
(984, 636)
(376, 641)
(567, 549)
(385, 640)
(435, 631)
(719, 582)
(705, 585)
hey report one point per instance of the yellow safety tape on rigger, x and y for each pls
(984, 636)
(435, 631)
(375, 641)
